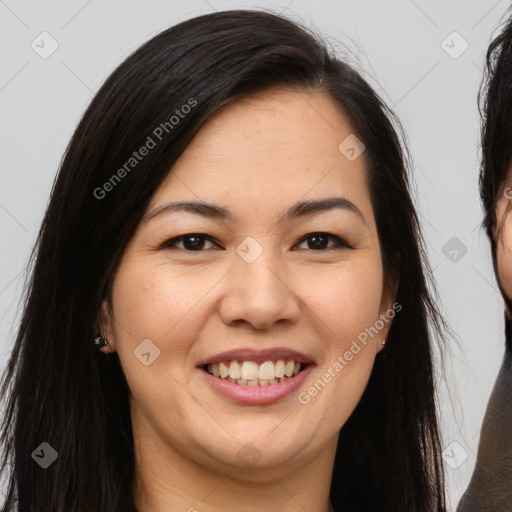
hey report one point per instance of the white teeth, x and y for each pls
(266, 370)
(256, 382)
(249, 370)
(249, 373)
(224, 370)
(234, 370)
(280, 368)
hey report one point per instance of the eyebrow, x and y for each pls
(298, 210)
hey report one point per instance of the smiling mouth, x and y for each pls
(250, 373)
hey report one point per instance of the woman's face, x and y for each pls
(253, 285)
(503, 237)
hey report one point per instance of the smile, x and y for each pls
(250, 373)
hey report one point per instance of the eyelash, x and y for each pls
(340, 242)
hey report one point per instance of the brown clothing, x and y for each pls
(490, 488)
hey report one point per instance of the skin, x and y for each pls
(255, 157)
(491, 484)
(503, 236)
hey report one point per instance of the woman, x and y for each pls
(241, 360)
(491, 484)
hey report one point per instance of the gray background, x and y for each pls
(399, 45)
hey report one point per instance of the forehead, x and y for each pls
(276, 144)
(276, 122)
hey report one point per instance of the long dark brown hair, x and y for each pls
(59, 389)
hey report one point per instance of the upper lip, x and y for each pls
(258, 356)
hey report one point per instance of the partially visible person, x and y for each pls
(490, 488)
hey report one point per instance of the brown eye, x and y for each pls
(192, 242)
(319, 241)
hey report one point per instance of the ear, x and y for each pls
(106, 322)
(388, 307)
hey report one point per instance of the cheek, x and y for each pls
(504, 249)
(504, 260)
(347, 304)
(347, 299)
(152, 305)
(152, 302)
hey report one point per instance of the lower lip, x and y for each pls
(257, 395)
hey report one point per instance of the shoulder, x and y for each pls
(491, 483)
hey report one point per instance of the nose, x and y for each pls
(258, 294)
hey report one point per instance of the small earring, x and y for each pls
(100, 342)
(383, 342)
